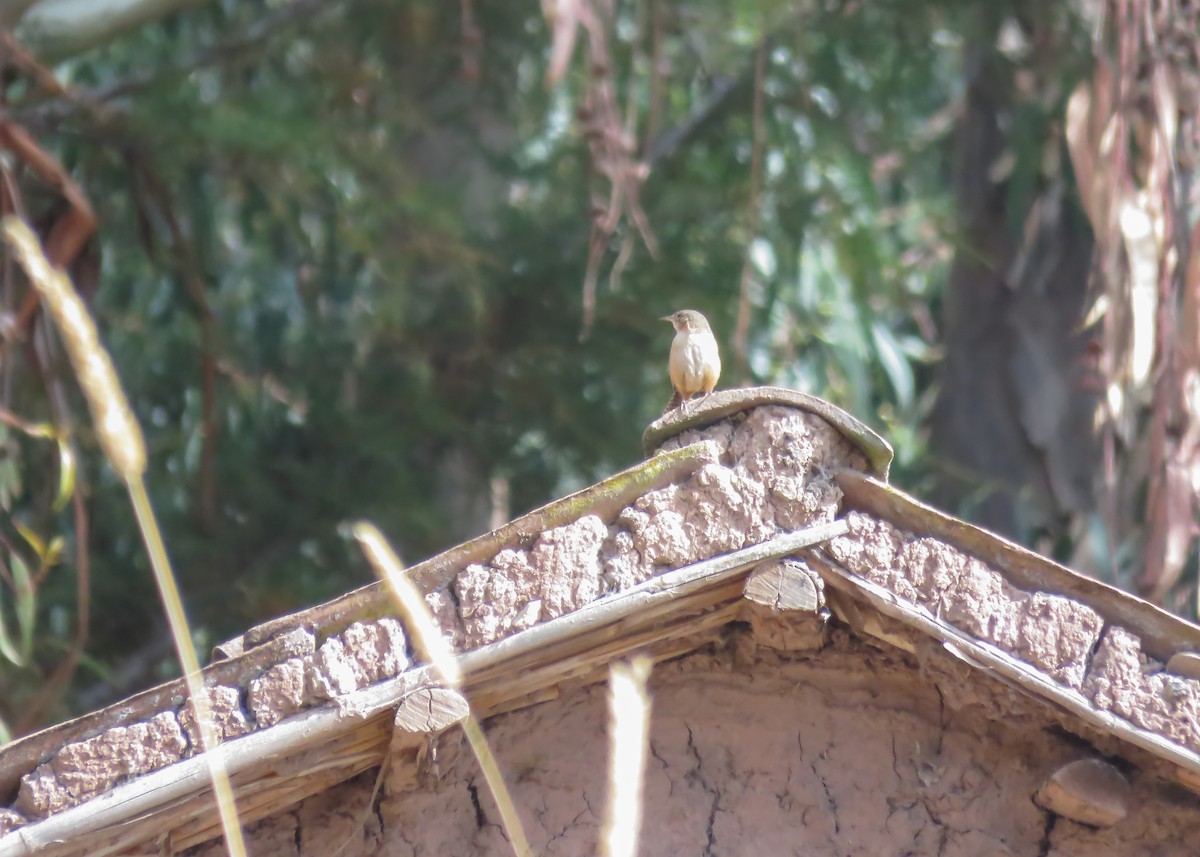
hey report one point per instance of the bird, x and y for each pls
(695, 363)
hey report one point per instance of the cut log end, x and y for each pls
(786, 603)
(784, 586)
(430, 710)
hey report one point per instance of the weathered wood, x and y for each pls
(229, 649)
(419, 718)
(680, 642)
(638, 603)
(726, 403)
(200, 827)
(606, 640)
(604, 499)
(658, 642)
(869, 623)
(1007, 668)
(784, 586)
(786, 605)
(1090, 791)
(1162, 634)
(428, 711)
(24, 754)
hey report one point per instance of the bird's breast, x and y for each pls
(694, 361)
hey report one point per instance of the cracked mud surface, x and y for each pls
(846, 752)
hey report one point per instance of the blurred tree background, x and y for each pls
(405, 261)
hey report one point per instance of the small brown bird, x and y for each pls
(695, 362)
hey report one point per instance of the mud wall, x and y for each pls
(853, 750)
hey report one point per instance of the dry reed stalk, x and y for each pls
(629, 713)
(121, 439)
(431, 646)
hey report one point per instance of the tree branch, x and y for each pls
(718, 101)
(56, 30)
(255, 35)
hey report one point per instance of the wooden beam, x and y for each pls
(1090, 791)
(24, 754)
(786, 601)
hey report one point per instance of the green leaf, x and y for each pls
(10, 483)
(10, 475)
(26, 603)
(7, 648)
(66, 473)
(895, 364)
(55, 550)
(32, 538)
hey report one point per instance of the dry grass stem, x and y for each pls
(182, 636)
(119, 434)
(629, 713)
(428, 641)
(432, 646)
(121, 439)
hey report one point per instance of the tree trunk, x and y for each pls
(1012, 426)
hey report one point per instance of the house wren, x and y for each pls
(695, 363)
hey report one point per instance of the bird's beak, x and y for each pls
(668, 318)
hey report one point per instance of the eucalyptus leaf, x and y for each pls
(25, 597)
(66, 473)
(895, 363)
(8, 648)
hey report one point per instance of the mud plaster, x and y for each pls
(845, 752)
(85, 769)
(363, 654)
(1127, 682)
(778, 754)
(10, 820)
(1059, 636)
(773, 476)
(1051, 632)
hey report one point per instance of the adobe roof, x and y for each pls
(763, 505)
